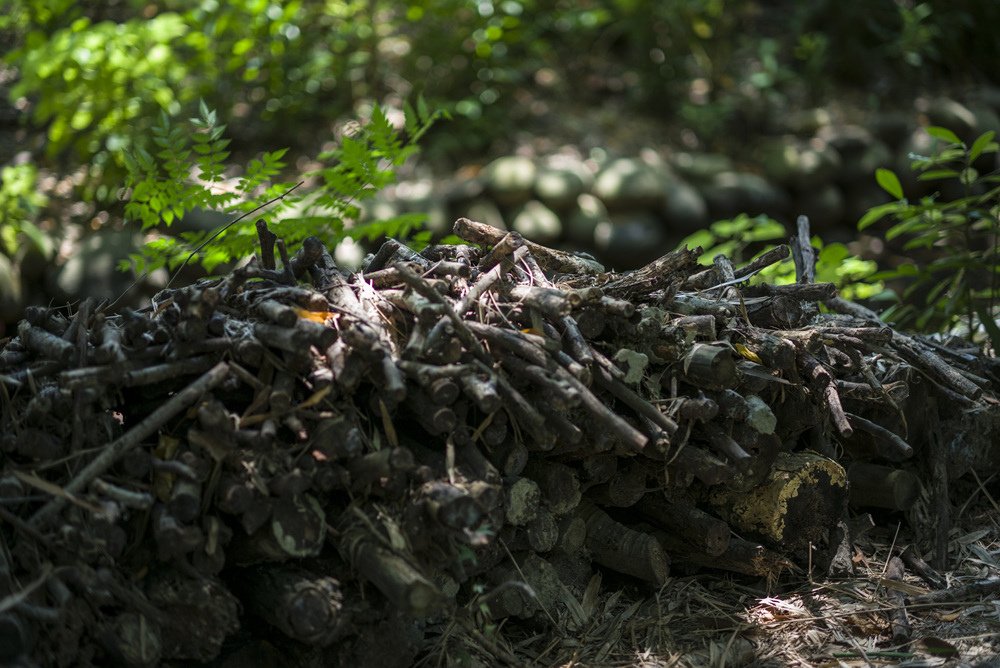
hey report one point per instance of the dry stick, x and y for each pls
(631, 437)
(114, 451)
(527, 415)
(899, 450)
(628, 397)
(44, 343)
(206, 242)
(576, 344)
(267, 239)
(501, 249)
(810, 292)
(704, 279)
(846, 307)
(824, 381)
(986, 588)
(526, 346)
(940, 493)
(724, 268)
(926, 359)
(463, 332)
(554, 260)
(916, 563)
(802, 252)
(766, 259)
(622, 549)
(453, 315)
(81, 335)
(901, 629)
(486, 280)
(78, 325)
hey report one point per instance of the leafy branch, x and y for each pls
(182, 168)
(954, 276)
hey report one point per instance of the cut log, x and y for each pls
(795, 507)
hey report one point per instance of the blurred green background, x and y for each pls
(734, 81)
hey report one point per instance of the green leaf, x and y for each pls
(983, 143)
(908, 225)
(889, 182)
(702, 239)
(934, 174)
(944, 134)
(40, 240)
(834, 254)
(877, 213)
(422, 109)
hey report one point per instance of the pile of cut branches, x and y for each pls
(318, 459)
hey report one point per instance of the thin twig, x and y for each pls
(133, 437)
(206, 242)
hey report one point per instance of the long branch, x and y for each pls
(113, 452)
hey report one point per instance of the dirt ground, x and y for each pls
(718, 620)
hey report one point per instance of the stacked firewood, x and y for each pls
(321, 458)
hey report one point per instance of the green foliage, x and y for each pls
(92, 81)
(954, 273)
(98, 77)
(735, 238)
(99, 73)
(744, 237)
(20, 203)
(162, 188)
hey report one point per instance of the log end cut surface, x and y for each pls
(802, 498)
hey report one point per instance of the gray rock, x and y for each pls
(919, 143)
(349, 255)
(955, 116)
(801, 165)
(583, 219)
(808, 122)
(861, 197)
(892, 127)
(483, 210)
(701, 167)
(11, 297)
(35, 259)
(420, 196)
(733, 193)
(986, 119)
(463, 187)
(630, 183)
(537, 222)
(560, 180)
(198, 220)
(510, 179)
(849, 140)
(685, 210)
(630, 240)
(378, 208)
(823, 205)
(988, 96)
(861, 167)
(92, 270)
